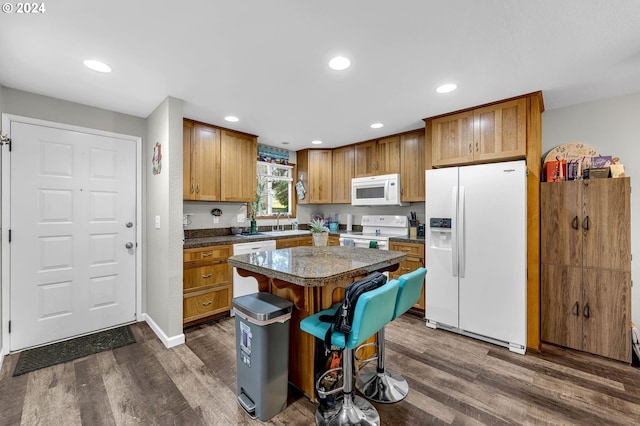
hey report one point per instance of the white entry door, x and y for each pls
(73, 211)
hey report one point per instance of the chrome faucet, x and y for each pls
(289, 216)
(277, 215)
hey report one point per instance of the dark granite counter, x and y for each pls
(418, 240)
(317, 266)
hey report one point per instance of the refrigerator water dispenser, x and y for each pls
(440, 229)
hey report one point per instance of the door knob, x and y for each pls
(129, 245)
(128, 224)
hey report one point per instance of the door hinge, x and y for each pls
(9, 235)
(9, 326)
(5, 140)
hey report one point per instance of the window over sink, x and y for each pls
(277, 189)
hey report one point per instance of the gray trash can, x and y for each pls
(262, 353)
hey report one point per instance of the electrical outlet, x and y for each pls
(216, 219)
(185, 220)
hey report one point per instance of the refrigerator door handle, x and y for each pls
(460, 226)
(454, 233)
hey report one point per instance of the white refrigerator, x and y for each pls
(476, 252)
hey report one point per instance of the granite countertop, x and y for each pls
(198, 241)
(317, 266)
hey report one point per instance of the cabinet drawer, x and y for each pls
(294, 242)
(414, 249)
(206, 276)
(213, 253)
(202, 304)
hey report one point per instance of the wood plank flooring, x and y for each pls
(453, 380)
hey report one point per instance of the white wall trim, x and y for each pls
(1, 357)
(5, 220)
(169, 342)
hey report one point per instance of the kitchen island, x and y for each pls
(313, 279)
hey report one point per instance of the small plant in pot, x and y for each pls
(319, 232)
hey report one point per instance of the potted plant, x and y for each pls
(319, 232)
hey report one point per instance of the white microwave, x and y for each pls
(383, 190)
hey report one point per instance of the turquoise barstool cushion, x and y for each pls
(410, 287)
(374, 310)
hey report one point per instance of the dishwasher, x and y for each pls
(247, 285)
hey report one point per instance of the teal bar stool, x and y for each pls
(385, 385)
(373, 311)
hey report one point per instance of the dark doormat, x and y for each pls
(56, 353)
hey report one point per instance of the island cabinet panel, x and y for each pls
(412, 166)
(343, 172)
(315, 169)
(201, 175)
(414, 260)
(586, 266)
(207, 283)
(238, 166)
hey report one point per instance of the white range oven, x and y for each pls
(376, 231)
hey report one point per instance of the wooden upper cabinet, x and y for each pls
(378, 157)
(238, 166)
(412, 166)
(500, 131)
(366, 157)
(201, 145)
(343, 172)
(315, 167)
(452, 139)
(561, 234)
(495, 132)
(388, 155)
(605, 223)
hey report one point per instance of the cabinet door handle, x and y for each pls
(585, 223)
(206, 254)
(406, 269)
(586, 311)
(197, 188)
(470, 148)
(207, 303)
(576, 309)
(574, 223)
(206, 276)
(192, 188)
(477, 148)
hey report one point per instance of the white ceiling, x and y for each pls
(266, 61)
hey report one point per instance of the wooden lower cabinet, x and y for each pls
(207, 283)
(294, 242)
(333, 240)
(587, 309)
(415, 260)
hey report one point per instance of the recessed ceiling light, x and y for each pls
(316, 142)
(339, 63)
(377, 125)
(232, 118)
(97, 65)
(446, 88)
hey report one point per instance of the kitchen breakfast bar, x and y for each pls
(313, 279)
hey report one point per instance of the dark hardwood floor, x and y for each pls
(452, 379)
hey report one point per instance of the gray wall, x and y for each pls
(164, 200)
(1, 111)
(612, 127)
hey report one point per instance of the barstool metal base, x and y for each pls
(355, 411)
(387, 387)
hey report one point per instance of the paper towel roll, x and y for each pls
(349, 222)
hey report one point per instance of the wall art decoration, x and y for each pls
(156, 160)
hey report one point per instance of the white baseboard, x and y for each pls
(169, 342)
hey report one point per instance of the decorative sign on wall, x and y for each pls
(157, 158)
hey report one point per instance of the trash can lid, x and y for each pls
(262, 306)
